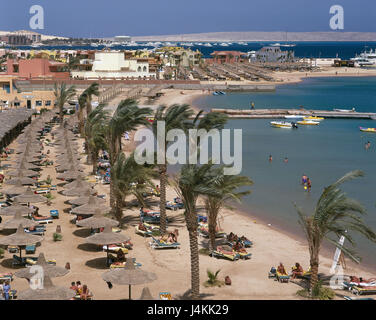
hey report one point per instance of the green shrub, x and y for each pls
(1, 252)
(57, 236)
(204, 251)
(213, 279)
(319, 292)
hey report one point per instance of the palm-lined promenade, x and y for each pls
(204, 190)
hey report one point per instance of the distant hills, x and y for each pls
(264, 36)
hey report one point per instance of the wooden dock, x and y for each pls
(281, 113)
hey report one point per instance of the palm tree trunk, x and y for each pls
(88, 106)
(162, 204)
(195, 266)
(314, 262)
(212, 231)
(80, 121)
(118, 207)
(61, 114)
(94, 158)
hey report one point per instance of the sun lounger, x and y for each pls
(282, 277)
(17, 261)
(358, 289)
(42, 190)
(13, 249)
(30, 249)
(116, 265)
(351, 298)
(225, 253)
(171, 205)
(38, 230)
(157, 244)
(54, 214)
(143, 232)
(42, 220)
(115, 248)
(30, 261)
(205, 233)
(6, 277)
(244, 255)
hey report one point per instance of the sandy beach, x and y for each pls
(172, 267)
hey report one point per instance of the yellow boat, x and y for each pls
(313, 118)
(281, 124)
(367, 129)
(308, 123)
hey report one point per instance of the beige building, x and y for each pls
(12, 97)
(114, 65)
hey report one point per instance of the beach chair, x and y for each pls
(158, 244)
(17, 261)
(30, 261)
(171, 205)
(272, 273)
(54, 214)
(38, 230)
(225, 252)
(143, 232)
(285, 278)
(30, 249)
(42, 220)
(244, 255)
(13, 249)
(6, 277)
(115, 248)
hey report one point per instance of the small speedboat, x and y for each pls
(313, 118)
(308, 123)
(282, 124)
(344, 110)
(294, 117)
(367, 129)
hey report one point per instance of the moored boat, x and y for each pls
(367, 129)
(309, 122)
(314, 118)
(283, 124)
(294, 117)
(344, 110)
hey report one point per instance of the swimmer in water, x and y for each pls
(270, 158)
(304, 179)
(286, 160)
(309, 185)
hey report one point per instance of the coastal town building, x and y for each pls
(36, 68)
(13, 96)
(274, 54)
(227, 57)
(22, 37)
(113, 65)
(180, 57)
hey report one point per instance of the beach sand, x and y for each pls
(172, 267)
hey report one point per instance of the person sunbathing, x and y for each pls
(120, 256)
(297, 271)
(281, 269)
(360, 280)
(238, 247)
(142, 227)
(85, 294)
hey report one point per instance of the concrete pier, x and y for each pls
(281, 113)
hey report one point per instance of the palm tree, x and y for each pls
(127, 117)
(128, 177)
(192, 181)
(95, 133)
(81, 105)
(335, 214)
(227, 187)
(175, 117)
(62, 95)
(92, 90)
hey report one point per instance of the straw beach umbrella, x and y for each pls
(49, 292)
(15, 190)
(22, 172)
(18, 220)
(77, 190)
(29, 196)
(107, 237)
(20, 238)
(48, 269)
(129, 275)
(79, 182)
(84, 199)
(97, 222)
(21, 180)
(14, 208)
(94, 206)
(70, 175)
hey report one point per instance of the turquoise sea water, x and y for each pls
(324, 153)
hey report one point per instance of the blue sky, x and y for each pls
(106, 18)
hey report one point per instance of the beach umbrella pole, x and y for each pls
(130, 293)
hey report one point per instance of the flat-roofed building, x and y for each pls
(113, 65)
(14, 97)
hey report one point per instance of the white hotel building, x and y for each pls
(114, 65)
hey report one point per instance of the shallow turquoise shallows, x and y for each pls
(324, 152)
